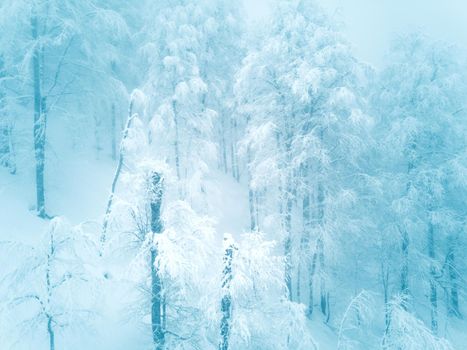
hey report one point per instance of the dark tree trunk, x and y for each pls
(385, 282)
(251, 201)
(453, 281)
(39, 120)
(251, 198)
(433, 290)
(305, 239)
(157, 304)
(405, 243)
(113, 132)
(233, 150)
(320, 201)
(322, 285)
(226, 303)
(51, 333)
(7, 157)
(288, 197)
(50, 287)
(324, 294)
(223, 147)
(312, 269)
(405, 268)
(177, 140)
(97, 137)
(288, 241)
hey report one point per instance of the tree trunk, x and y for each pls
(177, 140)
(108, 210)
(288, 240)
(258, 198)
(97, 138)
(320, 198)
(7, 157)
(322, 285)
(405, 269)
(312, 270)
(157, 304)
(404, 273)
(453, 281)
(113, 132)
(324, 295)
(51, 333)
(39, 120)
(49, 288)
(288, 196)
(233, 150)
(305, 239)
(433, 291)
(7, 153)
(223, 144)
(385, 282)
(226, 303)
(251, 197)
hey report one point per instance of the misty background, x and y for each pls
(371, 25)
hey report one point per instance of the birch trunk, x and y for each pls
(108, 210)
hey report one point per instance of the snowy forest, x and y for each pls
(174, 176)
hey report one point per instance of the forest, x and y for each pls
(174, 177)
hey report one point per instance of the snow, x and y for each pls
(330, 180)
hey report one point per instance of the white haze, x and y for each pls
(371, 25)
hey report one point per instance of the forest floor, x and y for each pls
(78, 189)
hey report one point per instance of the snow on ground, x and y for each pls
(78, 189)
(230, 205)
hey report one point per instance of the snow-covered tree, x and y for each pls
(51, 56)
(262, 315)
(421, 108)
(45, 296)
(187, 85)
(7, 154)
(405, 331)
(299, 95)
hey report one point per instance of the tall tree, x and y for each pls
(58, 40)
(300, 98)
(157, 307)
(226, 302)
(186, 47)
(420, 104)
(7, 154)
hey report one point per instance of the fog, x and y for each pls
(370, 25)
